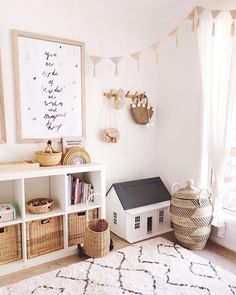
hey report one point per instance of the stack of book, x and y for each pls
(78, 190)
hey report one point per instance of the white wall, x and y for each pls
(171, 148)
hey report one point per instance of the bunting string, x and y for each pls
(193, 16)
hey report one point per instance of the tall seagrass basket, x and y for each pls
(96, 236)
(191, 216)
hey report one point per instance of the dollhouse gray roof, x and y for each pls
(143, 192)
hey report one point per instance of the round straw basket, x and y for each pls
(48, 159)
(39, 205)
(97, 243)
(96, 236)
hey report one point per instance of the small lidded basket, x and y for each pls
(49, 157)
(191, 215)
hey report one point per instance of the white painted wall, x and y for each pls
(171, 148)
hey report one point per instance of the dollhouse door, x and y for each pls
(149, 224)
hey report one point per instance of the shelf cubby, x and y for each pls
(19, 186)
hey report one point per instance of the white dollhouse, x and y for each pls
(138, 209)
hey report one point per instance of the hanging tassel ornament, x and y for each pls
(193, 16)
(199, 11)
(155, 47)
(95, 60)
(174, 34)
(214, 14)
(116, 60)
(233, 26)
(137, 56)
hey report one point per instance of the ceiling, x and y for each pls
(152, 12)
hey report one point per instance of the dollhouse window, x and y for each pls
(161, 216)
(114, 217)
(137, 222)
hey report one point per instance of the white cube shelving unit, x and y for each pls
(19, 186)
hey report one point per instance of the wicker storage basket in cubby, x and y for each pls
(10, 244)
(44, 236)
(76, 226)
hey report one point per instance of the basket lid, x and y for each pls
(188, 192)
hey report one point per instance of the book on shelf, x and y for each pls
(79, 190)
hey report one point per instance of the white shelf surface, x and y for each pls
(54, 212)
(49, 171)
(82, 207)
(11, 222)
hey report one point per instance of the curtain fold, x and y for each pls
(218, 71)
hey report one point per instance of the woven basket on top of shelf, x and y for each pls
(39, 205)
(49, 157)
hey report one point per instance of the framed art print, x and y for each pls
(2, 112)
(49, 82)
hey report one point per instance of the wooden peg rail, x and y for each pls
(121, 93)
(136, 95)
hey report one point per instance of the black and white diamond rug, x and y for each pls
(155, 266)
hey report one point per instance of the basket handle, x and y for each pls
(173, 187)
(45, 221)
(87, 202)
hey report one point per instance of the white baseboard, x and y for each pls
(223, 243)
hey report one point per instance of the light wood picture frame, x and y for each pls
(3, 137)
(49, 85)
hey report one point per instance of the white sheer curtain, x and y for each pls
(218, 70)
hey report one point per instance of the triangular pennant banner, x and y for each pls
(233, 14)
(233, 26)
(155, 47)
(116, 60)
(193, 16)
(95, 60)
(175, 34)
(136, 56)
(214, 14)
(199, 10)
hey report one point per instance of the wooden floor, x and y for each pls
(213, 252)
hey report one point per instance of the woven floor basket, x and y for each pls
(191, 216)
(97, 238)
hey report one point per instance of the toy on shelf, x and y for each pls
(7, 212)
